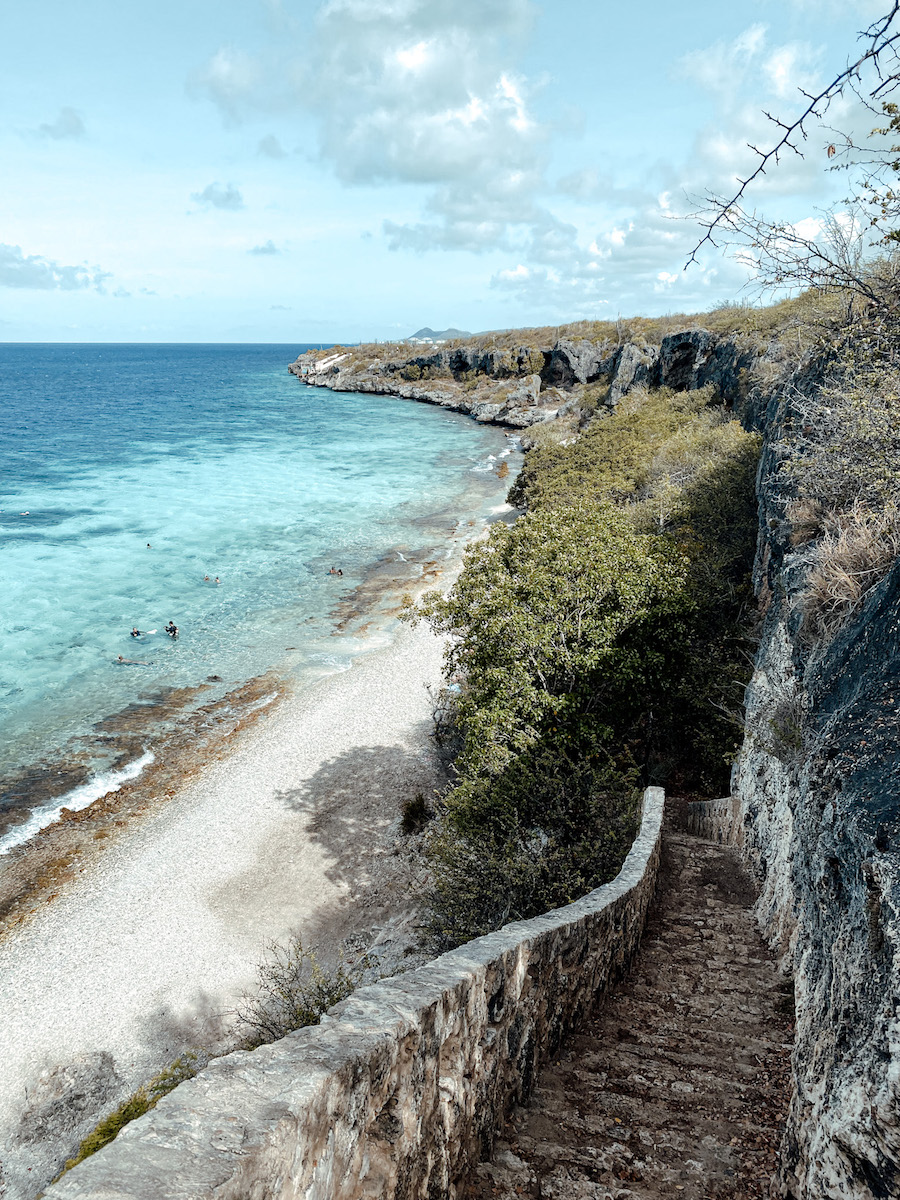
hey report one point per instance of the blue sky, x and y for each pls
(290, 170)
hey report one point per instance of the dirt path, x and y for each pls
(679, 1085)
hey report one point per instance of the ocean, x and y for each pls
(200, 485)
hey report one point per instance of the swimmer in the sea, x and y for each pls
(171, 629)
(206, 579)
(131, 662)
(135, 632)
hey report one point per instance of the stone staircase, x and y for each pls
(679, 1085)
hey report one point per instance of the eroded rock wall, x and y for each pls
(399, 1091)
(818, 781)
(526, 386)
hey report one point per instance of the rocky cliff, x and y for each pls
(817, 784)
(816, 787)
(528, 385)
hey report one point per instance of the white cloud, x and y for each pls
(231, 78)
(809, 228)
(67, 125)
(511, 275)
(219, 195)
(411, 91)
(268, 247)
(414, 58)
(426, 93)
(748, 76)
(271, 147)
(18, 270)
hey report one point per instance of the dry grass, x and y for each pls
(806, 517)
(802, 316)
(853, 555)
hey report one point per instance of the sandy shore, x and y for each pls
(141, 954)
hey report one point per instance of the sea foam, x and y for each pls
(79, 798)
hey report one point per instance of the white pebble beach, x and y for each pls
(165, 929)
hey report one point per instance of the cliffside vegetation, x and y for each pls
(596, 645)
(838, 478)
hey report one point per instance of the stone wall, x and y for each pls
(401, 1088)
(717, 820)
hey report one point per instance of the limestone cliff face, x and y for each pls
(818, 780)
(528, 385)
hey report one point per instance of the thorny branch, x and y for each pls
(880, 55)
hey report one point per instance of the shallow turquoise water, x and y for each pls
(227, 466)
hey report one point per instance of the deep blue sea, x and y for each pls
(129, 473)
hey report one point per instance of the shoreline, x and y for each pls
(151, 944)
(141, 945)
(34, 872)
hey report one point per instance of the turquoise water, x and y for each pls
(128, 473)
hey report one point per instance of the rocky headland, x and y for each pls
(529, 384)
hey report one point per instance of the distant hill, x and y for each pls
(437, 335)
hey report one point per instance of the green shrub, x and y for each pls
(293, 991)
(537, 622)
(844, 447)
(594, 645)
(544, 832)
(854, 553)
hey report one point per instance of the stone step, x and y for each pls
(678, 1086)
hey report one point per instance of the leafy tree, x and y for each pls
(538, 621)
(540, 834)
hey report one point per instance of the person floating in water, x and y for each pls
(335, 571)
(206, 579)
(218, 580)
(171, 629)
(131, 662)
(135, 632)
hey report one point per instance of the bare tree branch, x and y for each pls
(880, 54)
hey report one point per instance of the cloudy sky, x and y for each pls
(292, 170)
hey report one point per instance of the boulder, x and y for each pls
(578, 362)
(634, 366)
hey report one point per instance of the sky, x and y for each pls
(299, 171)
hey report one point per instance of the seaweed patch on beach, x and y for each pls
(186, 735)
(381, 593)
